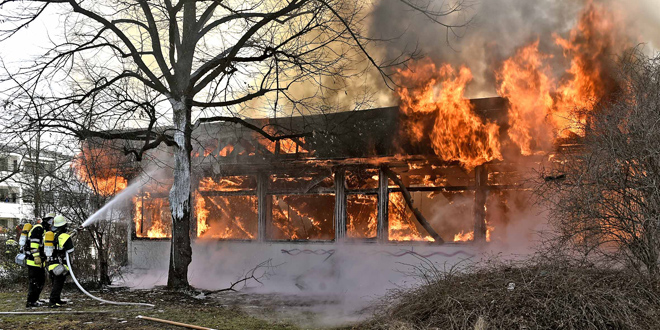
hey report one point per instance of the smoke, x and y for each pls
(336, 282)
(497, 29)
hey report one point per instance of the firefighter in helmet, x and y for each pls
(35, 260)
(62, 244)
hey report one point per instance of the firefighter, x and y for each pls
(57, 267)
(35, 260)
(11, 248)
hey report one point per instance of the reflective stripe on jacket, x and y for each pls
(34, 248)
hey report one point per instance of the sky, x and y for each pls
(534, 15)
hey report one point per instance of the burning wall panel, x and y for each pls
(361, 216)
(227, 217)
(428, 175)
(302, 217)
(402, 223)
(152, 217)
(449, 213)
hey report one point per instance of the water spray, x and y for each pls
(125, 193)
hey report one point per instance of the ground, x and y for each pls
(212, 312)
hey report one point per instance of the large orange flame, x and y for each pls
(588, 46)
(542, 108)
(458, 134)
(524, 81)
(99, 169)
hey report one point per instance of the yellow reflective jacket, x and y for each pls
(63, 245)
(34, 247)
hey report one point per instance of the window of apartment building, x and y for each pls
(4, 165)
(44, 167)
(8, 196)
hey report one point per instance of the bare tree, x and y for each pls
(162, 68)
(96, 173)
(606, 197)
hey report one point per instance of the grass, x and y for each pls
(172, 306)
(556, 294)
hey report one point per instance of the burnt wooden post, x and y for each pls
(480, 194)
(340, 204)
(263, 206)
(382, 227)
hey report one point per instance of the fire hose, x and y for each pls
(68, 262)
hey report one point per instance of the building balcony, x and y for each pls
(15, 210)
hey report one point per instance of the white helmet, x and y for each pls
(59, 221)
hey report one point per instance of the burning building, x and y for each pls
(436, 168)
(376, 175)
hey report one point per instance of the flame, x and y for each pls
(216, 217)
(226, 220)
(469, 236)
(524, 81)
(401, 227)
(362, 216)
(458, 134)
(226, 151)
(588, 46)
(201, 213)
(286, 146)
(542, 108)
(303, 216)
(157, 230)
(156, 227)
(137, 216)
(98, 168)
(228, 183)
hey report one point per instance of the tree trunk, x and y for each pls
(180, 250)
(104, 277)
(36, 168)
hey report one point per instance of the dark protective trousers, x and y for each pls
(56, 291)
(36, 280)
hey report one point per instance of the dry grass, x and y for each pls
(545, 294)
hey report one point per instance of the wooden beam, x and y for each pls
(263, 206)
(408, 198)
(340, 204)
(382, 227)
(480, 195)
